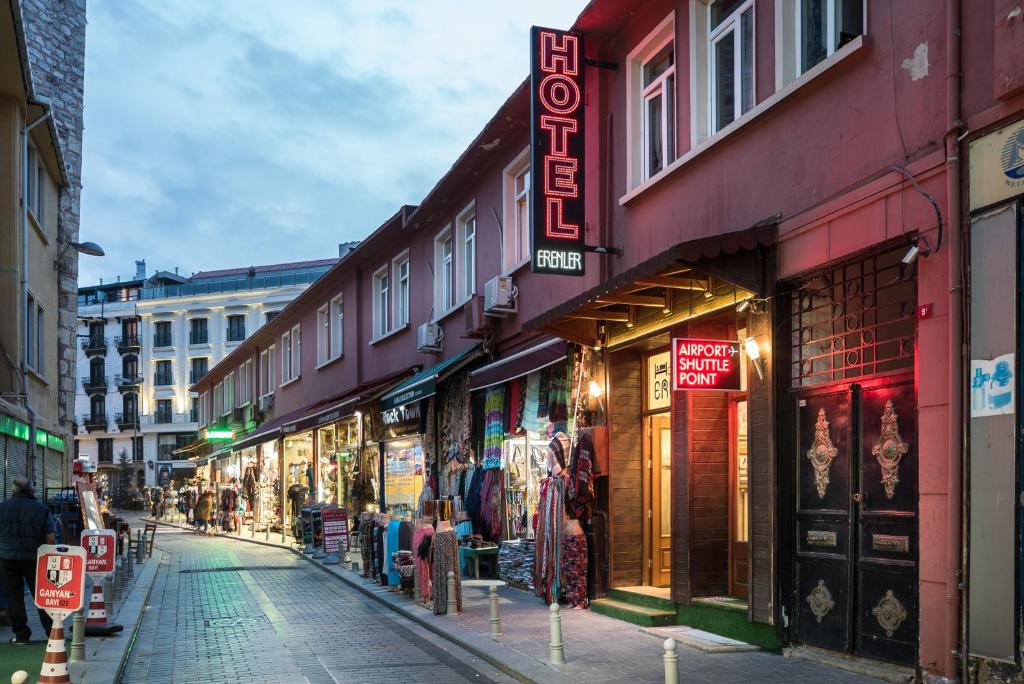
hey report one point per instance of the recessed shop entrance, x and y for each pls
(658, 498)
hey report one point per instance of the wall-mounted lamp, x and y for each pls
(754, 352)
(596, 391)
(743, 306)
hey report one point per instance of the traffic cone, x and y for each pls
(55, 660)
(97, 614)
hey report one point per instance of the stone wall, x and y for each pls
(55, 34)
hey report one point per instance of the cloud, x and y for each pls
(238, 132)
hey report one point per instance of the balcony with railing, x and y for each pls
(127, 344)
(94, 421)
(199, 337)
(159, 418)
(127, 383)
(126, 421)
(94, 384)
(94, 345)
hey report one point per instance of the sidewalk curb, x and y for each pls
(482, 646)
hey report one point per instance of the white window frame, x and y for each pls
(789, 34)
(337, 312)
(636, 140)
(35, 335)
(264, 383)
(286, 356)
(297, 351)
(401, 289)
(465, 230)
(731, 24)
(323, 334)
(229, 393)
(511, 239)
(381, 295)
(444, 274)
(35, 187)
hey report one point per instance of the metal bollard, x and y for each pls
(556, 654)
(140, 548)
(495, 620)
(118, 580)
(453, 606)
(78, 636)
(671, 662)
(129, 572)
(108, 594)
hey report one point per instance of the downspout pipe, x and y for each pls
(956, 647)
(25, 131)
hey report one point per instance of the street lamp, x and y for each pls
(88, 248)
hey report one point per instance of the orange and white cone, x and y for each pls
(55, 660)
(97, 614)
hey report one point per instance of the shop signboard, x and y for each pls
(60, 578)
(706, 365)
(557, 144)
(997, 166)
(99, 548)
(336, 539)
(659, 381)
(400, 421)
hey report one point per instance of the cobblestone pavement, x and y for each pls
(227, 612)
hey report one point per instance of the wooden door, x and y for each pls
(856, 513)
(660, 502)
(739, 502)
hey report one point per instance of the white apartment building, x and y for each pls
(145, 341)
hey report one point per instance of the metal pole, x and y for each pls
(453, 606)
(130, 571)
(556, 654)
(671, 658)
(77, 635)
(108, 594)
(495, 620)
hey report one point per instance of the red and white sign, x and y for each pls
(60, 578)
(335, 522)
(100, 547)
(705, 364)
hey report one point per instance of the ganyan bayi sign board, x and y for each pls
(60, 578)
(100, 547)
(557, 147)
(705, 365)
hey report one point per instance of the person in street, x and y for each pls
(156, 496)
(204, 509)
(25, 525)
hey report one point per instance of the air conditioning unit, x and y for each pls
(430, 338)
(238, 415)
(477, 323)
(267, 403)
(499, 296)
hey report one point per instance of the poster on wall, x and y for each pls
(992, 382)
(706, 365)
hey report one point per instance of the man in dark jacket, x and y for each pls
(25, 525)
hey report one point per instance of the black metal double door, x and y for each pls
(856, 517)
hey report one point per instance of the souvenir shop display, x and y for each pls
(515, 562)
(445, 560)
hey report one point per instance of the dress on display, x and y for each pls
(421, 541)
(394, 579)
(547, 563)
(574, 570)
(446, 560)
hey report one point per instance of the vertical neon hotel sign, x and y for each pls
(557, 144)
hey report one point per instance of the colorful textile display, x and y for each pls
(421, 542)
(574, 570)
(515, 403)
(515, 562)
(558, 398)
(366, 546)
(462, 530)
(391, 540)
(548, 559)
(494, 426)
(532, 420)
(492, 496)
(405, 531)
(579, 493)
(446, 559)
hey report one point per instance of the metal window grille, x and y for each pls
(854, 320)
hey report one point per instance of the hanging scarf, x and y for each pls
(446, 559)
(544, 392)
(494, 426)
(515, 403)
(580, 489)
(531, 403)
(492, 494)
(547, 562)
(558, 398)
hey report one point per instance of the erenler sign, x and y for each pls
(557, 144)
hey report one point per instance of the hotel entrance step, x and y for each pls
(640, 609)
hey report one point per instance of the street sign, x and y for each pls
(60, 578)
(705, 365)
(99, 548)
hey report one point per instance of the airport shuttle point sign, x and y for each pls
(705, 365)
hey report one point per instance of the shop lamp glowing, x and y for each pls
(220, 434)
(754, 352)
(595, 389)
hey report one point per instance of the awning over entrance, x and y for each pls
(684, 281)
(424, 383)
(268, 431)
(519, 364)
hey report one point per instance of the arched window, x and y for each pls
(130, 366)
(96, 370)
(98, 405)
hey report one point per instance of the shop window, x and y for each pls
(516, 246)
(853, 320)
(381, 289)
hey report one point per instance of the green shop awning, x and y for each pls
(19, 430)
(424, 383)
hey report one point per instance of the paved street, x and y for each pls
(224, 611)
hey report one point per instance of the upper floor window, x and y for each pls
(229, 392)
(323, 334)
(130, 367)
(337, 327)
(268, 370)
(163, 377)
(162, 334)
(236, 328)
(809, 31)
(193, 410)
(130, 406)
(199, 368)
(35, 185)
(400, 267)
(516, 247)
(245, 383)
(35, 335)
(444, 281)
(466, 232)
(97, 370)
(291, 354)
(659, 112)
(731, 60)
(164, 411)
(130, 331)
(198, 332)
(381, 289)
(271, 315)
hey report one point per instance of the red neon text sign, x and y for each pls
(557, 152)
(705, 365)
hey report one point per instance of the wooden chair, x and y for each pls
(149, 533)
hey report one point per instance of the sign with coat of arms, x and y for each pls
(100, 547)
(60, 578)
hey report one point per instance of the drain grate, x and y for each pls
(238, 568)
(235, 622)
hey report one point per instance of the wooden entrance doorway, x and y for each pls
(658, 498)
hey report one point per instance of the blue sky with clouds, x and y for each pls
(223, 133)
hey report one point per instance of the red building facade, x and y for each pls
(782, 174)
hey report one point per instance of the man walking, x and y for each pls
(25, 525)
